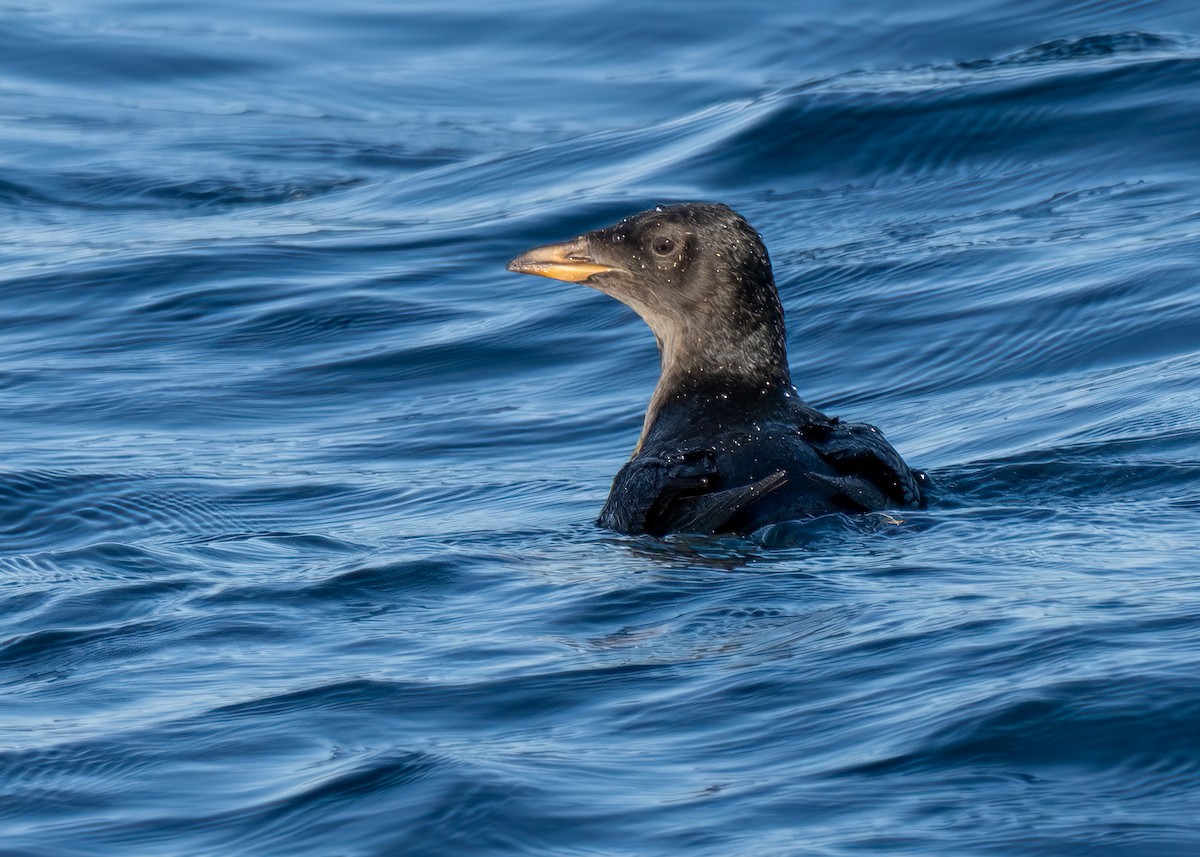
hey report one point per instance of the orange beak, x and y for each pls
(568, 261)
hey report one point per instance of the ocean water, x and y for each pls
(297, 484)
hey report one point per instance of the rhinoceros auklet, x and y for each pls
(727, 445)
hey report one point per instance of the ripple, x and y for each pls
(53, 508)
(1102, 45)
(73, 53)
(1059, 725)
(297, 550)
(974, 117)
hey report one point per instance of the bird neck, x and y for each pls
(713, 367)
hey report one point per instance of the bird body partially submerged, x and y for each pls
(727, 445)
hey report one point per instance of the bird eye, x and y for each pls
(663, 245)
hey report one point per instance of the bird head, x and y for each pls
(697, 273)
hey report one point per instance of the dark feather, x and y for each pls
(860, 450)
(713, 513)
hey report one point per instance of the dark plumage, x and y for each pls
(727, 444)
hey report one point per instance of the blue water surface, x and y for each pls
(297, 484)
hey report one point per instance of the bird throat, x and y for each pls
(718, 363)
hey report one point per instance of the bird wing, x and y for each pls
(710, 513)
(860, 451)
(659, 494)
